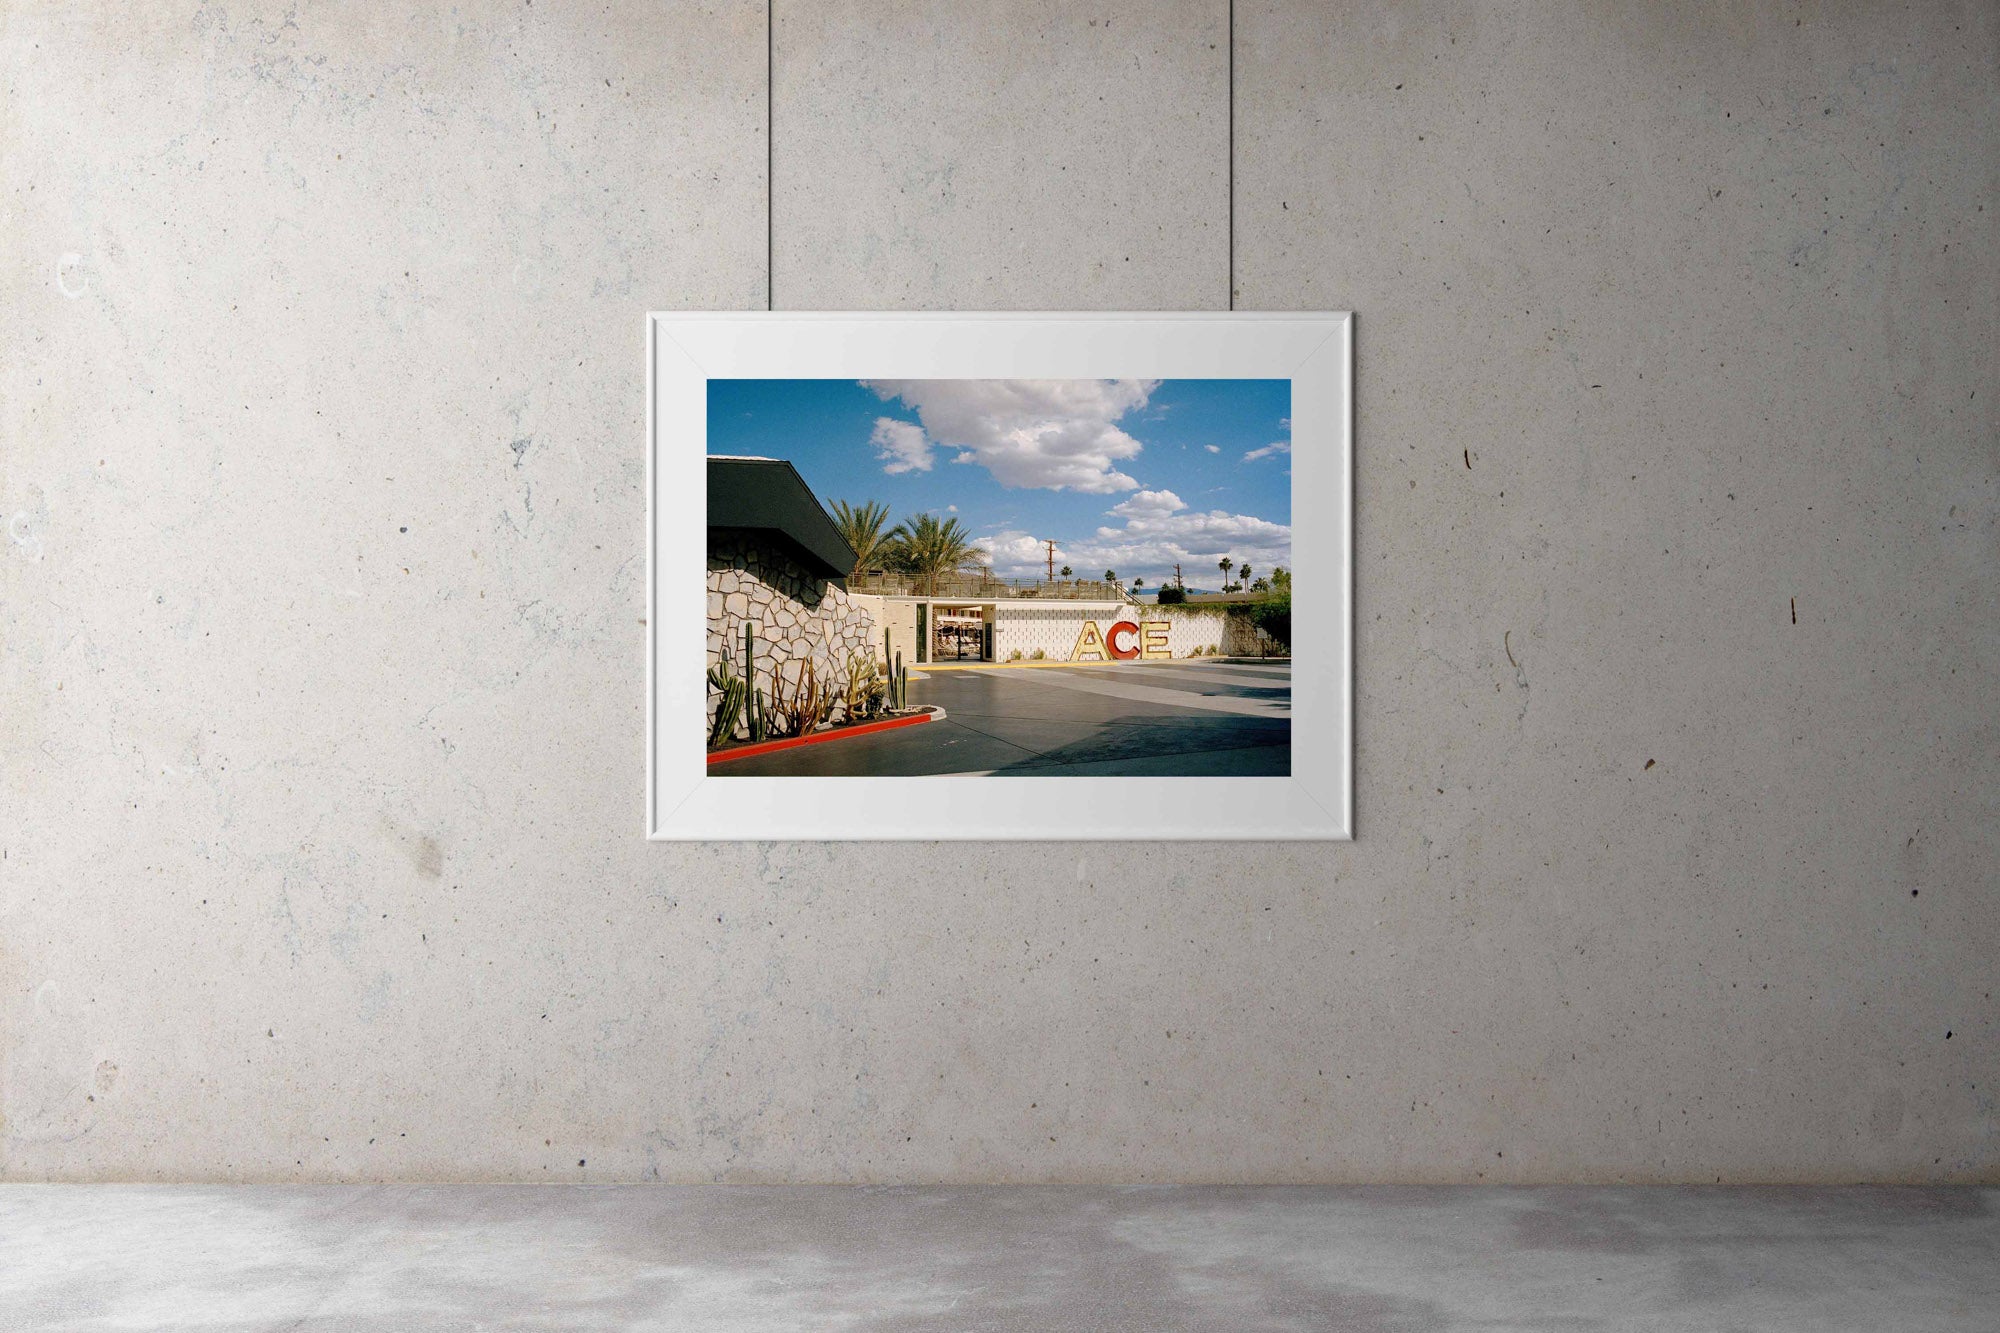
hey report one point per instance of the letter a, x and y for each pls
(1090, 641)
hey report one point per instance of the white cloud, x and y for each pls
(1149, 504)
(1159, 532)
(951, 509)
(1213, 448)
(1274, 447)
(901, 446)
(1042, 434)
(1016, 555)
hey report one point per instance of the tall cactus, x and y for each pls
(730, 710)
(754, 699)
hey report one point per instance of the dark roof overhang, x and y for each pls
(768, 497)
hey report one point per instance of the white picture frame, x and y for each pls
(1312, 350)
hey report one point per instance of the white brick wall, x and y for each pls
(1053, 628)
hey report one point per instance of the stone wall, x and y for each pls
(799, 617)
(1242, 638)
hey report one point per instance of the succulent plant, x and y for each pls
(729, 711)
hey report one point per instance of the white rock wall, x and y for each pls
(798, 617)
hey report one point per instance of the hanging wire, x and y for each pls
(770, 156)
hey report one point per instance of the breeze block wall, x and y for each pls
(1050, 627)
(1053, 627)
(799, 617)
(1196, 632)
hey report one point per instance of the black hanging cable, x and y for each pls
(770, 156)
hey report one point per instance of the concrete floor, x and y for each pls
(1168, 719)
(1364, 1260)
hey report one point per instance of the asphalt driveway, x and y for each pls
(1155, 719)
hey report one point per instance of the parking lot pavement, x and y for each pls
(1154, 719)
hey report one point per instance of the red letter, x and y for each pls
(1129, 629)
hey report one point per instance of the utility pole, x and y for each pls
(1052, 560)
(1179, 582)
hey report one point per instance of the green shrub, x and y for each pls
(1273, 615)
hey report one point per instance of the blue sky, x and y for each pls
(1130, 475)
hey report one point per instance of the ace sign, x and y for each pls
(1125, 641)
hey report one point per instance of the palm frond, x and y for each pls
(861, 527)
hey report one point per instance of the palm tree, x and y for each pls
(1243, 577)
(1138, 583)
(1111, 576)
(926, 548)
(1065, 571)
(862, 529)
(1225, 564)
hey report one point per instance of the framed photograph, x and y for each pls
(999, 576)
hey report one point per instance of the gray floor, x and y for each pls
(1376, 1260)
(1167, 719)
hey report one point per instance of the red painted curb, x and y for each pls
(842, 733)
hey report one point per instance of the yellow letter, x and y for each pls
(1090, 640)
(1153, 640)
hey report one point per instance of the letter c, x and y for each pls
(1126, 628)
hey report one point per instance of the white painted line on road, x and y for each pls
(1137, 693)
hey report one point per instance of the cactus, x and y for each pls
(825, 699)
(755, 699)
(730, 710)
(865, 691)
(805, 707)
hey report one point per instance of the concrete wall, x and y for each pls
(320, 604)
(1054, 629)
(1051, 628)
(899, 617)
